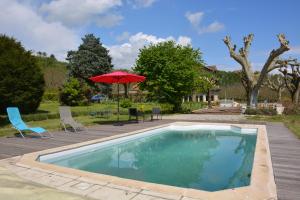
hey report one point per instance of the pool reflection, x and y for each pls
(202, 159)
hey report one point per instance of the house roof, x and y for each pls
(211, 68)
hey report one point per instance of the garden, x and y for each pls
(38, 84)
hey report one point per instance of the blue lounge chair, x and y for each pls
(17, 122)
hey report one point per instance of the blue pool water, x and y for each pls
(201, 159)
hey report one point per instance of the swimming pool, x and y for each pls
(203, 157)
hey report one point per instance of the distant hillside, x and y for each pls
(55, 71)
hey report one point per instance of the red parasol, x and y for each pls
(118, 77)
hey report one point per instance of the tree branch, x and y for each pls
(247, 43)
(242, 57)
(273, 57)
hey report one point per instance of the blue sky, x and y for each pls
(124, 26)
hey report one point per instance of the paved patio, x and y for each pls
(284, 146)
(14, 187)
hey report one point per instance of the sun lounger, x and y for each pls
(18, 124)
(66, 119)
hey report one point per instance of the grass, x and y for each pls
(291, 121)
(54, 124)
(47, 115)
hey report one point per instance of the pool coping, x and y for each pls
(262, 184)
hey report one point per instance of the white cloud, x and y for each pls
(124, 55)
(124, 36)
(195, 18)
(196, 21)
(211, 28)
(82, 12)
(109, 20)
(142, 3)
(184, 41)
(23, 23)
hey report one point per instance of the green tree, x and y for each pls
(74, 93)
(90, 59)
(227, 78)
(21, 80)
(170, 71)
(205, 83)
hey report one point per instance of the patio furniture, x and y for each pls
(156, 112)
(66, 119)
(133, 112)
(18, 124)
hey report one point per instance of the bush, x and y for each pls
(292, 110)
(74, 93)
(21, 80)
(188, 107)
(260, 111)
(51, 96)
(126, 103)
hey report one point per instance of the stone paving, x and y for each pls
(211, 118)
(88, 188)
(13, 187)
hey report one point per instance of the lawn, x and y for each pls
(291, 121)
(47, 115)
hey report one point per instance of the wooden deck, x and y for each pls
(285, 152)
(284, 146)
(14, 146)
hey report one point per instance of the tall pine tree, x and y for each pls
(90, 59)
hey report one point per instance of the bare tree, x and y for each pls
(290, 69)
(252, 83)
(276, 83)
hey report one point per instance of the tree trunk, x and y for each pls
(295, 96)
(209, 99)
(279, 93)
(252, 100)
(125, 90)
(194, 97)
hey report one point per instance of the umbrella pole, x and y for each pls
(118, 104)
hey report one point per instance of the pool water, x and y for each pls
(201, 159)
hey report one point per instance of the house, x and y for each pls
(202, 97)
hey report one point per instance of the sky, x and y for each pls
(125, 26)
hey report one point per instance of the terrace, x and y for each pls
(149, 100)
(284, 148)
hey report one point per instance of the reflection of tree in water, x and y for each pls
(168, 157)
(174, 158)
(246, 147)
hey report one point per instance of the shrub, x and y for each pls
(268, 111)
(74, 93)
(292, 110)
(21, 80)
(126, 103)
(166, 108)
(260, 111)
(51, 96)
(188, 107)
